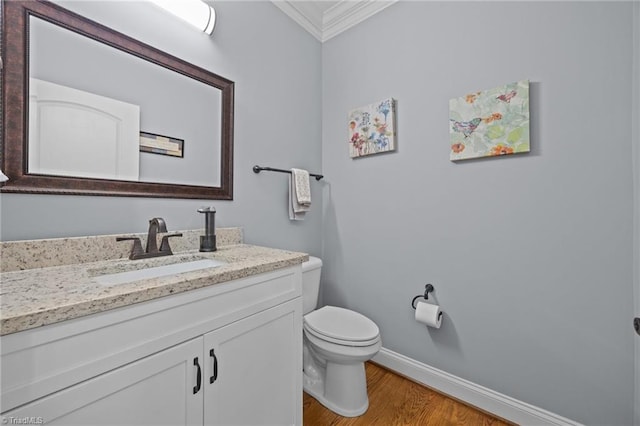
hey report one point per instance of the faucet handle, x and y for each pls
(136, 249)
(164, 244)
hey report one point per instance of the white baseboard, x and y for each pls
(478, 396)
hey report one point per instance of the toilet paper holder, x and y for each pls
(427, 289)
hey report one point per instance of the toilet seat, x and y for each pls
(341, 326)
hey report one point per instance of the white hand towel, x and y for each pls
(296, 211)
(3, 177)
(302, 187)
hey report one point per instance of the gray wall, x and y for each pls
(530, 255)
(276, 67)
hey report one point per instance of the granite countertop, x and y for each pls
(35, 297)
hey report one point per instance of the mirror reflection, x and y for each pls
(98, 112)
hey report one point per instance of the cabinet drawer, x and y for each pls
(40, 361)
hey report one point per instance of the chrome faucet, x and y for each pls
(156, 225)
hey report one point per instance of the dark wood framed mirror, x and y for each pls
(21, 22)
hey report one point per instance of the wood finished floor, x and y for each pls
(394, 401)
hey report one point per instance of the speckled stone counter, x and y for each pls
(29, 254)
(45, 295)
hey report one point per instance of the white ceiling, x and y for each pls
(326, 19)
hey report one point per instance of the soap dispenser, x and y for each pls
(208, 240)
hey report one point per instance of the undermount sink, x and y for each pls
(130, 271)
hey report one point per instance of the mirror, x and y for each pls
(91, 111)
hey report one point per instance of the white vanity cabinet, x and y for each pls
(254, 383)
(155, 390)
(226, 354)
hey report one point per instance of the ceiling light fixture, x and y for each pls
(195, 12)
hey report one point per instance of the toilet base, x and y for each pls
(346, 393)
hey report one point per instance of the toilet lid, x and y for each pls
(341, 324)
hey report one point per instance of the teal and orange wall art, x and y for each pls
(490, 123)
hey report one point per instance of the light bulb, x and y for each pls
(195, 12)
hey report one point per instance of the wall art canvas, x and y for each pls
(372, 128)
(490, 123)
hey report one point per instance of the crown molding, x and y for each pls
(347, 14)
(334, 20)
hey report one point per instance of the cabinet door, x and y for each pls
(156, 390)
(254, 370)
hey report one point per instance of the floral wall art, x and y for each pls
(490, 123)
(372, 128)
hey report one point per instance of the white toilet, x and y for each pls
(337, 342)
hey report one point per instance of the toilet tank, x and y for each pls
(310, 284)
